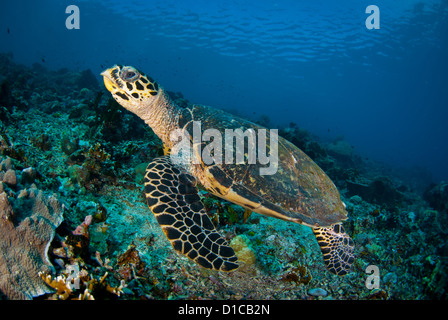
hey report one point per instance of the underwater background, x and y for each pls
(369, 106)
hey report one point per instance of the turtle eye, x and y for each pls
(128, 74)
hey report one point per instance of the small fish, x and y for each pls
(43, 60)
(8, 31)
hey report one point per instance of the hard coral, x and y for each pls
(87, 80)
(437, 196)
(27, 227)
(130, 264)
(42, 142)
(300, 274)
(63, 289)
(90, 168)
(8, 148)
(83, 228)
(76, 244)
(96, 156)
(340, 149)
(379, 191)
(80, 285)
(244, 253)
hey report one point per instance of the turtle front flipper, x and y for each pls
(337, 248)
(173, 198)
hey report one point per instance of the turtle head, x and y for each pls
(130, 87)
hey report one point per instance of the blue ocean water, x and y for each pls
(313, 63)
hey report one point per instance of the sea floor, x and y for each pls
(91, 155)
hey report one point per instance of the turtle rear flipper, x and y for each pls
(337, 248)
(173, 198)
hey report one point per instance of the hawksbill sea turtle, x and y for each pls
(299, 191)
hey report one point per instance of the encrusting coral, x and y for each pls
(244, 253)
(27, 227)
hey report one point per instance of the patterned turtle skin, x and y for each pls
(299, 191)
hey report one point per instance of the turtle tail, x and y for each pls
(337, 248)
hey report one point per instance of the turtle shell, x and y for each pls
(298, 191)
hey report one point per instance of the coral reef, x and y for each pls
(340, 149)
(66, 144)
(379, 191)
(304, 140)
(246, 256)
(28, 220)
(82, 282)
(130, 265)
(437, 196)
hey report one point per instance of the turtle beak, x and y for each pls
(107, 78)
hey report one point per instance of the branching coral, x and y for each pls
(63, 290)
(80, 285)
